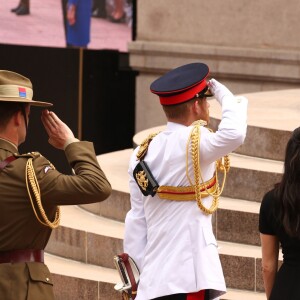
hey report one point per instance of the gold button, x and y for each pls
(47, 279)
(238, 100)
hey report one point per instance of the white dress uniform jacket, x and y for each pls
(172, 242)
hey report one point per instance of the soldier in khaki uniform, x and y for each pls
(31, 190)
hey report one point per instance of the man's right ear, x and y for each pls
(17, 118)
(196, 106)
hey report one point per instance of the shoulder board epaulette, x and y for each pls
(144, 145)
(199, 123)
(28, 155)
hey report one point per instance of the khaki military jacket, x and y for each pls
(19, 227)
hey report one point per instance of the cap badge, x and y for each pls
(142, 180)
(22, 92)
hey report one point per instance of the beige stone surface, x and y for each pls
(68, 243)
(150, 114)
(249, 184)
(246, 23)
(255, 163)
(239, 205)
(243, 295)
(115, 207)
(279, 110)
(75, 217)
(74, 280)
(67, 267)
(259, 277)
(241, 69)
(250, 251)
(243, 43)
(238, 271)
(272, 115)
(249, 177)
(115, 166)
(82, 237)
(69, 288)
(242, 61)
(102, 249)
(148, 109)
(237, 226)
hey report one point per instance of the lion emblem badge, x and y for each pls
(142, 180)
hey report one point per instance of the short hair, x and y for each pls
(7, 110)
(180, 110)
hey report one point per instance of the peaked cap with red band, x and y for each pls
(182, 84)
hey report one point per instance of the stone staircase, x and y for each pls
(80, 252)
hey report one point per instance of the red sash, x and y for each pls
(196, 296)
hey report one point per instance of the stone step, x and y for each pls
(76, 280)
(94, 240)
(68, 267)
(140, 136)
(243, 295)
(86, 237)
(270, 122)
(249, 179)
(228, 225)
(250, 176)
(115, 166)
(81, 231)
(237, 221)
(242, 266)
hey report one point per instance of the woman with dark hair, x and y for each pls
(279, 225)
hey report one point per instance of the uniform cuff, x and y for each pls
(70, 141)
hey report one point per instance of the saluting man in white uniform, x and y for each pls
(174, 188)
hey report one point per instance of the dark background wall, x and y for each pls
(109, 100)
(92, 91)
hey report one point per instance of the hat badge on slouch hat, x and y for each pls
(182, 84)
(17, 88)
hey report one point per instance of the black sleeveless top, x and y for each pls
(269, 224)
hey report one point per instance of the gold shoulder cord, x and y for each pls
(144, 145)
(34, 185)
(194, 140)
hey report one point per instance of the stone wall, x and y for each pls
(249, 45)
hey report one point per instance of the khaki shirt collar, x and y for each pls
(8, 146)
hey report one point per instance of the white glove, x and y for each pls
(219, 90)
